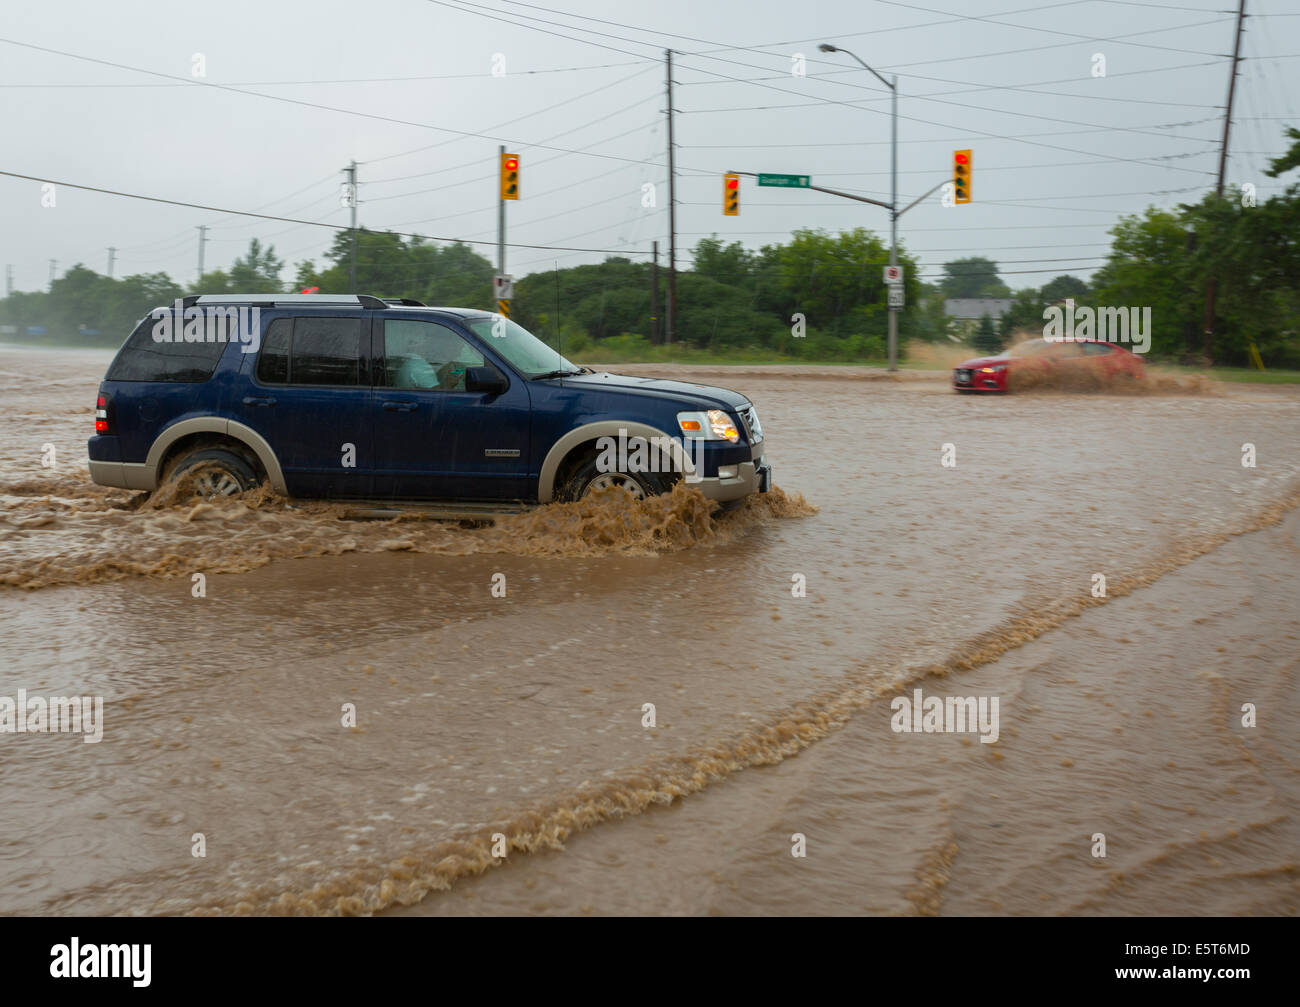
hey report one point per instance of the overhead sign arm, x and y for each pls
(819, 188)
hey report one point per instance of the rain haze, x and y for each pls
(107, 96)
(806, 575)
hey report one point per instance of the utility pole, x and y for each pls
(893, 215)
(1211, 286)
(54, 269)
(670, 329)
(9, 280)
(112, 254)
(351, 170)
(654, 294)
(203, 240)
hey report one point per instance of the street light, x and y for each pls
(893, 189)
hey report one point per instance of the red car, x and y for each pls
(1085, 364)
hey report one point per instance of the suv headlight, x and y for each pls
(714, 425)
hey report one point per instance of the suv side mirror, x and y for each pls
(485, 379)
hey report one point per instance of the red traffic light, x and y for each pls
(733, 183)
(961, 158)
(512, 163)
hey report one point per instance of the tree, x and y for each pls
(1148, 266)
(1062, 287)
(257, 271)
(1291, 159)
(730, 264)
(972, 277)
(986, 338)
(1026, 312)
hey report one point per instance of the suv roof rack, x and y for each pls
(305, 300)
(407, 302)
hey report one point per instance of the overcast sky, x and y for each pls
(1059, 152)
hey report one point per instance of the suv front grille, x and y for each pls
(753, 429)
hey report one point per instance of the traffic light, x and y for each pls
(509, 176)
(961, 164)
(731, 195)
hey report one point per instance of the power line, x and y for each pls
(988, 19)
(501, 125)
(292, 101)
(287, 220)
(481, 178)
(1028, 87)
(347, 80)
(466, 3)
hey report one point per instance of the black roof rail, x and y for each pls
(370, 301)
(408, 302)
(189, 301)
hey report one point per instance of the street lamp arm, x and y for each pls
(863, 63)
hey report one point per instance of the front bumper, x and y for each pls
(751, 477)
(967, 380)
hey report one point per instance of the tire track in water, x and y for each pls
(431, 868)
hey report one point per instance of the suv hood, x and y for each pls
(690, 396)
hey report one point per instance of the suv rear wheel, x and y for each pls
(224, 473)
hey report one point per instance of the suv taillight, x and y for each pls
(102, 425)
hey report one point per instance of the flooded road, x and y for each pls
(225, 717)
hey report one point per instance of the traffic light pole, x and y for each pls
(894, 214)
(501, 223)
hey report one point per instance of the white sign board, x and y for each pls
(893, 274)
(896, 296)
(504, 286)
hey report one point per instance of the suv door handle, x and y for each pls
(401, 407)
(259, 400)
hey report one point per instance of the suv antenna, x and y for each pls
(559, 332)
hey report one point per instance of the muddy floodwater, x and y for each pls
(503, 759)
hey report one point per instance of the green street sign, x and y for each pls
(786, 181)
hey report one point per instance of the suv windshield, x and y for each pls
(529, 355)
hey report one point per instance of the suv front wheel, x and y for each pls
(223, 473)
(588, 478)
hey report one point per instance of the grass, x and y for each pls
(1251, 376)
(597, 355)
(691, 355)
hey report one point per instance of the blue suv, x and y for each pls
(367, 398)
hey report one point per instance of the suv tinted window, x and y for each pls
(326, 351)
(142, 358)
(311, 351)
(426, 355)
(273, 363)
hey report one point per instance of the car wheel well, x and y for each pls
(203, 441)
(570, 464)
